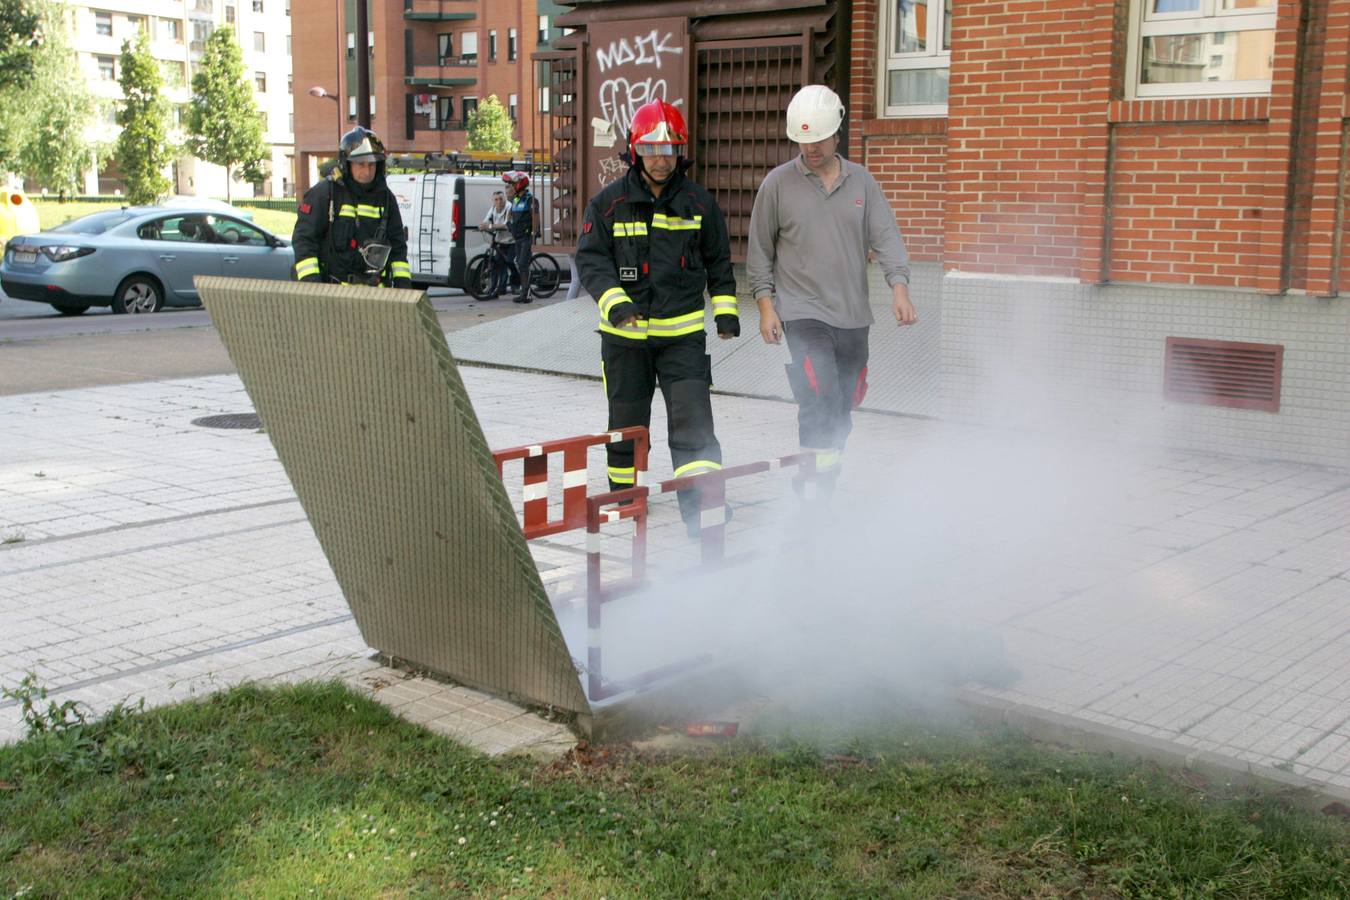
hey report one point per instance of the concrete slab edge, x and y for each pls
(1059, 728)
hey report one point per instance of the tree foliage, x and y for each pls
(54, 150)
(223, 124)
(143, 149)
(490, 128)
(22, 37)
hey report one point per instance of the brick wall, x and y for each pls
(1041, 169)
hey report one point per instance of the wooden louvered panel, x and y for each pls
(1223, 373)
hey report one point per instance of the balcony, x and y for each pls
(439, 10)
(449, 71)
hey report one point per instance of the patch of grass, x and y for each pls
(52, 213)
(284, 792)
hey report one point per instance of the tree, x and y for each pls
(490, 128)
(224, 126)
(54, 150)
(143, 149)
(22, 39)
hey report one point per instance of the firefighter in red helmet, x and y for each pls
(652, 244)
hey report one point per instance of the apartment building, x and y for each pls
(178, 31)
(431, 63)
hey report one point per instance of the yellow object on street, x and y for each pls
(18, 215)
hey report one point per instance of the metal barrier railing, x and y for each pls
(580, 509)
(574, 449)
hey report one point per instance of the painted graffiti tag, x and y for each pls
(643, 50)
(620, 98)
(611, 169)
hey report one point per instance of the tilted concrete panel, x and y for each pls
(361, 398)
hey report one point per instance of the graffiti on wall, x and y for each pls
(631, 63)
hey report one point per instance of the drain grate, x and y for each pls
(230, 420)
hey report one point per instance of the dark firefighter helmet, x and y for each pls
(360, 145)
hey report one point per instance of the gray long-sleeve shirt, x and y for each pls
(808, 249)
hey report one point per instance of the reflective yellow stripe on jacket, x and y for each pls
(307, 267)
(724, 305)
(400, 269)
(629, 229)
(363, 210)
(675, 223)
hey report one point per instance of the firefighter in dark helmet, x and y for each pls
(652, 244)
(349, 229)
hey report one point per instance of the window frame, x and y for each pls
(512, 44)
(103, 23)
(466, 56)
(1144, 23)
(259, 42)
(891, 61)
(492, 45)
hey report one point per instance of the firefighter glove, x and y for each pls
(728, 324)
(621, 311)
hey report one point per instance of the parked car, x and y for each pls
(18, 216)
(138, 259)
(217, 206)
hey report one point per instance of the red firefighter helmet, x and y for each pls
(658, 129)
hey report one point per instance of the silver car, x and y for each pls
(138, 259)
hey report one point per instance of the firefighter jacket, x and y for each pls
(335, 220)
(654, 257)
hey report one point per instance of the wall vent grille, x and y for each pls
(1223, 373)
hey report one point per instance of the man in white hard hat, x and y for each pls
(814, 221)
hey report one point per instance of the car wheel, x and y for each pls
(71, 310)
(138, 294)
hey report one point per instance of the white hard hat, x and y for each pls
(814, 114)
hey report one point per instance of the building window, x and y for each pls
(257, 6)
(511, 44)
(351, 45)
(468, 47)
(445, 48)
(544, 96)
(288, 45)
(170, 30)
(259, 42)
(260, 82)
(229, 14)
(467, 107)
(290, 123)
(107, 68)
(917, 57)
(102, 23)
(512, 106)
(492, 46)
(445, 110)
(1183, 48)
(135, 24)
(290, 83)
(172, 72)
(543, 29)
(288, 7)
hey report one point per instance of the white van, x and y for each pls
(441, 212)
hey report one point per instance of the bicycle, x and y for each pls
(482, 271)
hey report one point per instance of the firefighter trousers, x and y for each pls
(632, 371)
(828, 377)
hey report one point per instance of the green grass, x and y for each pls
(52, 213)
(313, 790)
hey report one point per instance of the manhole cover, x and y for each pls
(230, 420)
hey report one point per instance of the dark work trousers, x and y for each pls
(632, 370)
(523, 247)
(828, 377)
(504, 268)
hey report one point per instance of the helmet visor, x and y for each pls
(658, 149)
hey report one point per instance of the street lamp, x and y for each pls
(319, 92)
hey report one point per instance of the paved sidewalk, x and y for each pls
(1193, 602)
